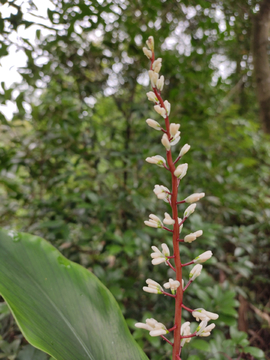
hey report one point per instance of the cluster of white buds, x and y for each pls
(170, 137)
(154, 221)
(158, 256)
(173, 285)
(203, 329)
(154, 327)
(153, 287)
(162, 193)
(201, 314)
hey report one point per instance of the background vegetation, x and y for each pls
(72, 158)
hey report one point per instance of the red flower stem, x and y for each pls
(165, 228)
(170, 265)
(186, 308)
(170, 257)
(188, 336)
(189, 282)
(181, 240)
(171, 329)
(188, 263)
(181, 202)
(168, 294)
(177, 159)
(168, 341)
(182, 222)
(166, 167)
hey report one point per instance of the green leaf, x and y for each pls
(60, 307)
(200, 345)
(258, 353)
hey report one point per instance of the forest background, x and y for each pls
(72, 164)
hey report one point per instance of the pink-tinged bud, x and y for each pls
(160, 110)
(165, 142)
(181, 171)
(193, 236)
(160, 83)
(157, 65)
(174, 129)
(147, 52)
(150, 43)
(203, 257)
(184, 150)
(153, 77)
(194, 197)
(153, 124)
(152, 97)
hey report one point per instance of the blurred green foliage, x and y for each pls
(72, 170)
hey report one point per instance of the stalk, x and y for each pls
(171, 136)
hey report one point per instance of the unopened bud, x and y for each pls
(190, 210)
(165, 142)
(160, 110)
(160, 83)
(157, 65)
(152, 97)
(184, 150)
(194, 197)
(150, 43)
(181, 171)
(153, 124)
(147, 52)
(174, 129)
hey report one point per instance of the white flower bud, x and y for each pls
(201, 327)
(147, 52)
(160, 110)
(158, 256)
(184, 150)
(190, 210)
(150, 43)
(185, 330)
(194, 197)
(175, 138)
(160, 83)
(204, 315)
(157, 160)
(153, 124)
(154, 221)
(157, 65)
(193, 236)
(158, 332)
(162, 192)
(168, 220)
(203, 257)
(153, 287)
(174, 128)
(153, 326)
(181, 171)
(172, 284)
(165, 142)
(153, 77)
(195, 272)
(152, 97)
(179, 222)
(167, 107)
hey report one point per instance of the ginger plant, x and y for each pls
(171, 136)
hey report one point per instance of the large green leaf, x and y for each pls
(61, 307)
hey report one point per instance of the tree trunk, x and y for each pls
(261, 61)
